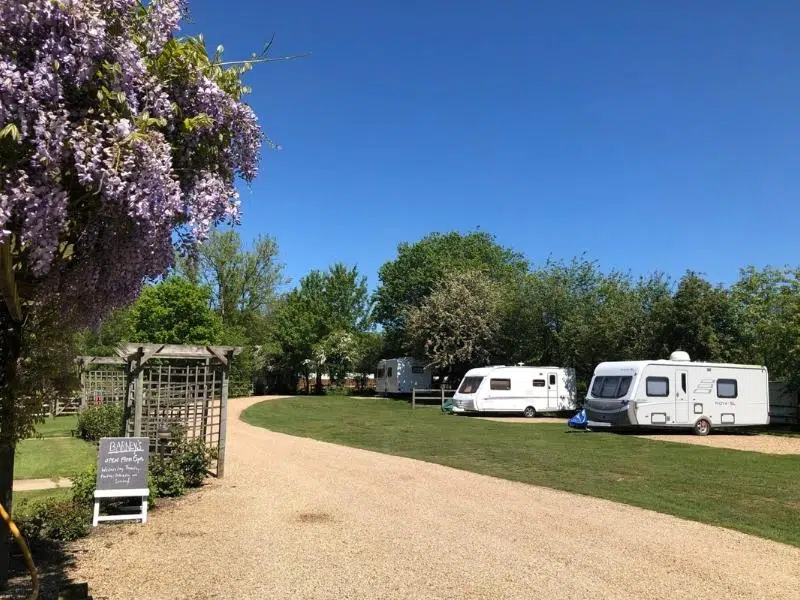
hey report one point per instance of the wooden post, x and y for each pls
(205, 400)
(138, 401)
(413, 398)
(223, 418)
(442, 390)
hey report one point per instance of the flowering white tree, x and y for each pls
(116, 140)
(456, 326)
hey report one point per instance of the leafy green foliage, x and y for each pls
(103, 420)
(244, 283)
(102, 341)
(317, 325)
(193, 459)
(84, 484)
(412, 276)
(53, 519)
(705, 322)
(369, 350)
(768, 305)
(456, 326)
(175, 311)
(167, 476)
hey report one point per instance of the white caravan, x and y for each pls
(678, 393)
(526, 390)
(401, 376)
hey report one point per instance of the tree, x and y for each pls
(295, 332)
(571, 314)
(104, 339)
(175, 311)
(319, 316)
(244, 283)
(336, 354)
(456, 326)
(369, 350)
(407, 280)
(704, 321)
(769, 303)
(115, 136)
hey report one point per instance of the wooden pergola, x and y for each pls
(166, 385)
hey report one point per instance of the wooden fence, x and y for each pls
(430, 395)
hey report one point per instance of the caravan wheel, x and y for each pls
(702, 427)
(529, 412)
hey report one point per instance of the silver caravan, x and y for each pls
(526, 390)
(678, 393)
(401, 376)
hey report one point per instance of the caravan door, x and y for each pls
(681, 396)
(552, 390)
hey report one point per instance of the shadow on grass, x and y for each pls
(53, 561)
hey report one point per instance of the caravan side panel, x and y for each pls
(410, 375)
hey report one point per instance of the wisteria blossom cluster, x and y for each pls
(116, 139)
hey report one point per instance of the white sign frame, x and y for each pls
(140, 493)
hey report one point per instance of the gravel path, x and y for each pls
(767, 444)
(297, 518)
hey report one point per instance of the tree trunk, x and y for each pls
(10, 349)
(319, 382)
(6, 484)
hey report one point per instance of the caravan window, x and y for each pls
(470, 385)
(500, 384)
(538, 383)
(611, 387)
(389, 371)
(552, 379)
(657, 387)
(417, 370)
(727, 388)
(380, 373)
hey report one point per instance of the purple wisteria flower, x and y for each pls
(114, 137)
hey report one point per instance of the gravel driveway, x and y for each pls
(767, 444)
(297, 518)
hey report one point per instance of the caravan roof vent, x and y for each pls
(680, 355)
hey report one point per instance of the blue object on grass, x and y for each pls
(579, 421)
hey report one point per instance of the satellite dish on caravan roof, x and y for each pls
(680, 355)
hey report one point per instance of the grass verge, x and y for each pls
(57, 426)
(32, 495)
(52, 457)
(754, 493)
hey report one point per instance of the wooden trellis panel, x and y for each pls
(183, 394)
(164, 386)
(103, 384)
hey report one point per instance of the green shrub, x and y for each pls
(193, 459)
(167, 477)
(338, 390)
(83, 486)
(103, 420)
(53, 519)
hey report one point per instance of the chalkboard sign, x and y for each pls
(122, 463)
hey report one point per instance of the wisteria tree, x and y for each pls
(117, 141)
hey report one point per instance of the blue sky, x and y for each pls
(651, 135)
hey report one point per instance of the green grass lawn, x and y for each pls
(52, 457)
(33, 495)
(754, 493)
(57, 426)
